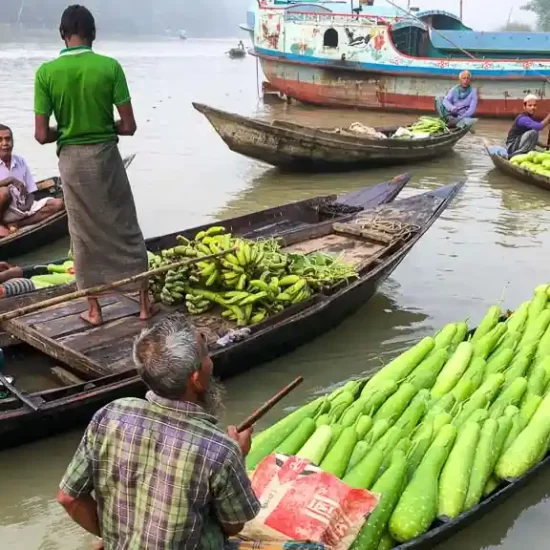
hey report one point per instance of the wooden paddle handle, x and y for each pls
(31, 308)
(268, 405)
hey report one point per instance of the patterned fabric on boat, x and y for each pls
(240, 544)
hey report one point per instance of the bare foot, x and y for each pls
(146, 308)
(93, 315)
(4, 231)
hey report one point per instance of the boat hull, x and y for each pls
(338, 87)
(506, 167)
(295, 147)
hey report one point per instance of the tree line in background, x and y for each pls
(198, 17)
(541, 8)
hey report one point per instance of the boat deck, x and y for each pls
(365, 242)
(60, 332)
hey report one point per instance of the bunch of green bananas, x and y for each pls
(173, 291)
(253, 280)
(197, 304)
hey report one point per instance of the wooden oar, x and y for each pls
(32, 403)
(268, 405)
(100, 289)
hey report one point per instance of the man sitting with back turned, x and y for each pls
(164, 475)
(17, 204)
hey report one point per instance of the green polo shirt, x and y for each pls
(80, 88)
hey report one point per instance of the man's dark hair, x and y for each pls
(77, 20)
(4, 128)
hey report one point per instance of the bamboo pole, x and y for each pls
(268, 405)
(100, 289)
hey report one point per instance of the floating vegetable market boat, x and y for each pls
(49, 230)
(500, 160)
(372, 242)
(270, 222)
(465, 415)
(292, 146)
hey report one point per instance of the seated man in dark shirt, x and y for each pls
(524, 134)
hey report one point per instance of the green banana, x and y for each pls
(253, 298)
(215, 230)
(260, 285)
(242, 282)
(289, 280)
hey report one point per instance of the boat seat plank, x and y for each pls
(65, 377)
(73, 324)
(358, 231)
(112, 332)
(353, 251)
(118, 354)
(63, 310)
(79, 362)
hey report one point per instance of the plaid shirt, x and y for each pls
(164, 476)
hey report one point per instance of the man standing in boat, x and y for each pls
(524, 133)
(80, 89)
(459, 106)
(162, 473)
(18, 207)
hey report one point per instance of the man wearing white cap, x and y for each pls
(524, 134)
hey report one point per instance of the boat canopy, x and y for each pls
(439, 34)
(441, 19)
(509, 43)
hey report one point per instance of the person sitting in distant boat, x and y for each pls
(459, 106)
(524, 133)
(17, 187)
(240, 45)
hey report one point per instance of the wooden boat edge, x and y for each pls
(337, 140)
(516, 172)
(324, 300)
(7, 340)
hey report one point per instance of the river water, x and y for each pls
(487, 248)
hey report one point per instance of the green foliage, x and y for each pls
(541, 8)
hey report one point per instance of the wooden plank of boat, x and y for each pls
(109, 345)
(316, 213)
(290, 145)
(49, 230)
(502, 164)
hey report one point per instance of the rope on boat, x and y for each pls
(380, 223)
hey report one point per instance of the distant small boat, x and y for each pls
(236, 53)
(182, 35)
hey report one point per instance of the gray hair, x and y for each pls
(167, 354)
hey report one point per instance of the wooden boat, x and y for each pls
(101, 356)
(269, 222)
(293, 146)
(55, 227)
(236, 53)
(501, 163)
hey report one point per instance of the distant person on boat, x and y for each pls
(162, 473)
(524, 134)
(459, 106)
(240, 45)
(80, 89)
(18, 206)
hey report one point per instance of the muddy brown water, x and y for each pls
(490, 246)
